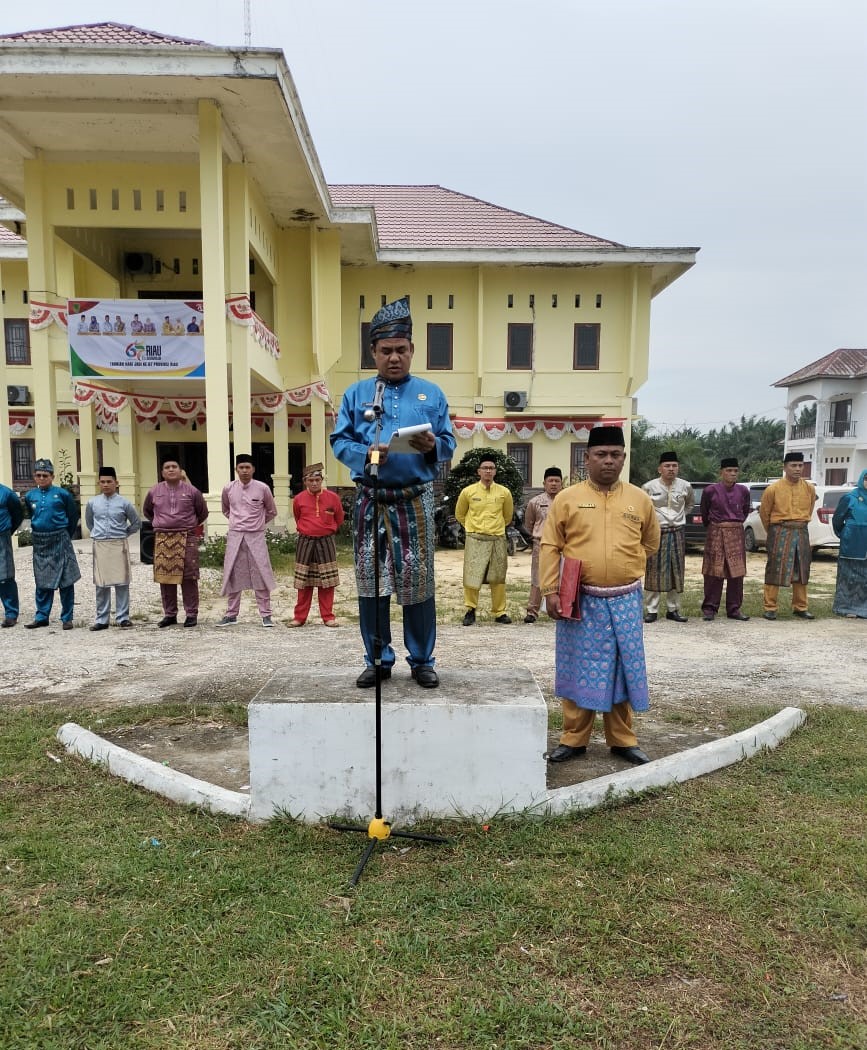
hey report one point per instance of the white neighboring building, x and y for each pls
(835, 447)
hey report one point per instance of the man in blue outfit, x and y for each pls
(403, 501)
(54, 515)
(111, 519)
(11, 516)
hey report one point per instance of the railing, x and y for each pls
(801, 433)
(840, 429)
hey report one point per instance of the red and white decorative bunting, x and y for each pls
(526, 427)
(44, 314)
(239, 311)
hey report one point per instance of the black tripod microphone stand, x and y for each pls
(378, 830)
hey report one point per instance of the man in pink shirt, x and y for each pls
(249, 506)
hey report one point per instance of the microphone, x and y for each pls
(375, 410)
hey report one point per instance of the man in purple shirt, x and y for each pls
(724, 508)
(176, 509)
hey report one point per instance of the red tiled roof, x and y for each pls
(10, 238)
(434, 217)
(105, 34)
(839, 364)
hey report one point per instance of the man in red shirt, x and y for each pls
(318, 515)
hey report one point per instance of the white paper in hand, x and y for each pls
(400, 438)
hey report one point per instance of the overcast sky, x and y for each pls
(736, 126)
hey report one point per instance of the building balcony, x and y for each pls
(840, 429)
(802, 433)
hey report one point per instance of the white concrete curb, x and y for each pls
(179, 787)
(686, 765)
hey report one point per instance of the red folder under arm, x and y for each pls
(570, 589)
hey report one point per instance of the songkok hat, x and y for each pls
(170, 459)
(243, 457)
(606, 436)
(553, 472)
(107, 472)
(488, 457)
(43, 464)
(730, 462)
(668, 457)
(793, 457)
(311, 469)
(393, 321)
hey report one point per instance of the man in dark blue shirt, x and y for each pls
(54, 513)
(11, 515)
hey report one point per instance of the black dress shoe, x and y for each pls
(650, 617)
(125, 623)
(9, 622)
(367, 678)
(802, 614)
(99, 627)
(469, 618)
(769, 615)
(36, 623)
(503, 619)
(67, 625)
(676, 617)
(191, 621)
(529, 618)
(562, 753)
(739, 616)
(426, 677)
(707, 618)
(168, 621)
(632, 754)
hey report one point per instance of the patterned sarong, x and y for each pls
(247, 564)
(111, 563)
(406, 542)
(54, 561)
(486, 559)
(315, 562)
(176, 556)
(789, 555)
(850, 597)
(724, 552)
(7, 557)
(665, 569)
(600, 658)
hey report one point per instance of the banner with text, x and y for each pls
(136, 338)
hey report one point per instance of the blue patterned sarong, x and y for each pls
(600, 658)
(406, 542)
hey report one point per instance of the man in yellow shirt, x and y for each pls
(485, 509)
(785, 510)
(612, 528)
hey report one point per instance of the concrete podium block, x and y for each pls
(469, 749)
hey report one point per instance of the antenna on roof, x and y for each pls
(247, 32)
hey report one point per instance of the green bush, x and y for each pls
(212, 553)
(466, 473)
(25, 538)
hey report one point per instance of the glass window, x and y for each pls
(577, 465)
(23, 458)
(585, 352)
(520, 348)
(366, 352)
(17, 341)
(439, 345)
(521, 455)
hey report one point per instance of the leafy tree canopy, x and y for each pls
(757, 444)
(466, 473)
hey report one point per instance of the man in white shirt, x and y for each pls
(672, 500)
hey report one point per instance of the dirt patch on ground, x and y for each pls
(697, 671)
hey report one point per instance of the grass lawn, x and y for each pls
(729, 912)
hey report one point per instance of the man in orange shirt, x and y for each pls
(612, 528)
(785, 510)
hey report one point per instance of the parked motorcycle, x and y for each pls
(449, 531)
(517, 537)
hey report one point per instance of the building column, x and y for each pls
(214, 297)
(822, 415)
(281, 476)
(5, 436)
(42, 284)
(237, 208)
(87, 477)
(126, 466)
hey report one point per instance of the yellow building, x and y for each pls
(149, 171)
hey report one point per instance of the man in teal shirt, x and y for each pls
(11, 515)
(54, 515)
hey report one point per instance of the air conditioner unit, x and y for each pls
(515, 400)
(138, 262)
(18, 395)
